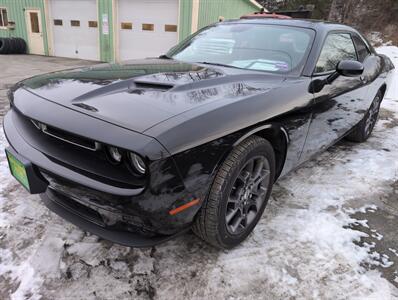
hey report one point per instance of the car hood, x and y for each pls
(140, 94)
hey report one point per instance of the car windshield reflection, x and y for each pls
(269, 48)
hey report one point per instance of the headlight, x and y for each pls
(114, 154)
(137, 163)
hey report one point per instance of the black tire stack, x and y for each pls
(12, 46)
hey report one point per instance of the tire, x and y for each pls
(235, 195)
(5, 45)
(14, 46)
(362, 131)
(21, 46)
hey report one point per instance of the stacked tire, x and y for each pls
(12, 46)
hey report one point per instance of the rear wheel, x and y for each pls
(238, 195)
(363, 129)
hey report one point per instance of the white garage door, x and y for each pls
(147, 28)
(75, 28)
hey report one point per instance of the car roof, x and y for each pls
(318, 25)
(257, 15)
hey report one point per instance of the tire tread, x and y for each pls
(205, 224)
(358, 134)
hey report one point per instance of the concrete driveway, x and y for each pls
(329, 232)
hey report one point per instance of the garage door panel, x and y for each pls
(75, 41)
(138, 43)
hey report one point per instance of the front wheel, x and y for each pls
(363, 129)
(238, 195)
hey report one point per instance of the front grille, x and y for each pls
(81, 210)
(118, 222)
(67, 137)
(91, 164)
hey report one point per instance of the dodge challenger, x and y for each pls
(141, 151)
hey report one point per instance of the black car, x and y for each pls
(142, 151)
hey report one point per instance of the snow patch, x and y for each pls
(90, 253)
(377, 235)
(393, 251)
(22, 273)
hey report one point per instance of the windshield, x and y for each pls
(269, 48)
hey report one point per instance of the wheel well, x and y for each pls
(278, 139)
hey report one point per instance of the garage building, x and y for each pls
(111, 30)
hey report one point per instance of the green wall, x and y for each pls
(185, 19)
(210, 10)
(16, 13)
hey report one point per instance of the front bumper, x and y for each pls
(60, 206)
(132, 217)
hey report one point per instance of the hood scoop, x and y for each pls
(140, 86)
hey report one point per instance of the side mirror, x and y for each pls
(348, 68)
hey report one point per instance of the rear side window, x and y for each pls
(362, 49)
(337, 47)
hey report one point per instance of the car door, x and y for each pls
(339, 105)
(372, 69)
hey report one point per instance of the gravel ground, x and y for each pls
(329, 232)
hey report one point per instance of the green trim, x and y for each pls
(210, 10)
(16, 13)
(185, 19)
(107, 41)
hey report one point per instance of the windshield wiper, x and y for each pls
(216, 64)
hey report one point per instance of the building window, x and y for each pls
(126, 25)
(57, 22)
(93, 24)
(34, 22)
(170, 28)
(3, 17)
(148, 27)
(75, 23)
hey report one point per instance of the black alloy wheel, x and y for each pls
(238, 195)
(247, 195)
(372, 115)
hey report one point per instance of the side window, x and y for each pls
(337, 47)
(362, 49)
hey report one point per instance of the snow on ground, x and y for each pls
(308, 245)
